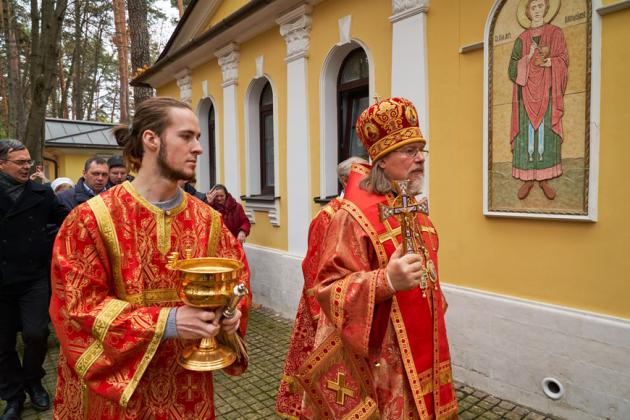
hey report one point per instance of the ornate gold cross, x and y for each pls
(340, 388)
(405, 213)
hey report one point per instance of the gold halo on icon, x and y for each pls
(525, 22)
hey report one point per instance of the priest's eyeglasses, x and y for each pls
(28, 163)
(412, 152)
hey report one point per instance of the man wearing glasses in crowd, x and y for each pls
(26, 207)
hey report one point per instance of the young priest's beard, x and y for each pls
(167, 171)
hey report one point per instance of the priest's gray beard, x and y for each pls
(415, 187)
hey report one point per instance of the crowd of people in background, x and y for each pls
(100, 175)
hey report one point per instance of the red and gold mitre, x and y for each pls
(388, 125)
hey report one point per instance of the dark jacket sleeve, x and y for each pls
(244, 224)
(58, 211)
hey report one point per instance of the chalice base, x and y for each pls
(201, 358)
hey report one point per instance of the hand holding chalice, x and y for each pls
(209, 283)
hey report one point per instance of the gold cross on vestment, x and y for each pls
(190, 387)
(405, 213)
(390, 235)
(340, 388)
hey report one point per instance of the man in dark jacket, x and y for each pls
(118, 172)
(26, 208)
(94, 179)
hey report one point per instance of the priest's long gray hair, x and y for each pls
(376, 181)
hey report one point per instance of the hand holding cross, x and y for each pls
(409, 265)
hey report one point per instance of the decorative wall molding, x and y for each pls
(272, 208)
(402, 9)
(295, 28)
(471, 47)
(260, 66)
(229, 57)
(612, 8)
(344, 30)
(204, 88)
(184, 83)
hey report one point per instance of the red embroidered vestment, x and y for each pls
(378, 353)
(289, 398)
(111, 295)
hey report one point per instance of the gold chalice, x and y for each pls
(208, 283)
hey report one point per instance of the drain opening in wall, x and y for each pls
(552, 388)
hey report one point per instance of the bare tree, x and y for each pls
(46, 24)
(140, 45)
(4, 89)
(121, 42)
(16, 118)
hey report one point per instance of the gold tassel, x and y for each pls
(236, 343)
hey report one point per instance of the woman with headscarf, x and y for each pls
(233, 214)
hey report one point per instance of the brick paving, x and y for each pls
(252, 395)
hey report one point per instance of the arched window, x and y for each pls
(212, 147)
(265, 111)
(352, 99)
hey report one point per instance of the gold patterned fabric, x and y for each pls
(112, 294)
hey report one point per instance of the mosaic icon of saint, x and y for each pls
(539, 71)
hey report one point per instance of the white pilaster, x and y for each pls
(295, 27)
(409, 59)
(184, 83)
(228, 61)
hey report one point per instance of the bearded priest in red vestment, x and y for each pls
(380, 347)
(114, 306)
(289, 398)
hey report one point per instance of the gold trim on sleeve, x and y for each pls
(103, 321)
(87, 359)
(146, 359)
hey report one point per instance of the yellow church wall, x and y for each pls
(374, 34)
(226, 8)
(272, 47)
(211, 72)
(70, 162)
(169, 89)
(575, 264)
